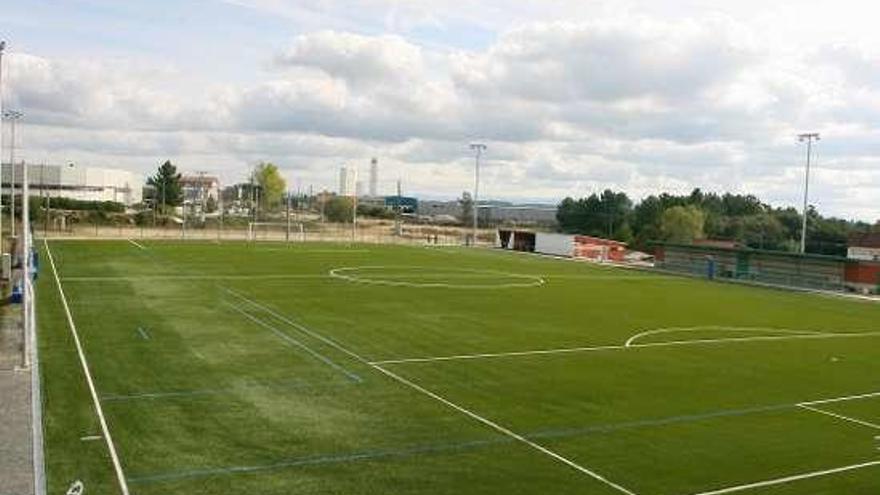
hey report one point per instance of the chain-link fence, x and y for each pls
(366, 231)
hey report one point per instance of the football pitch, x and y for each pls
(367, 369)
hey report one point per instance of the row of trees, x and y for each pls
(699, 215)
(265, 178)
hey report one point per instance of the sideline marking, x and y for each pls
(90, 438)
(527, 280)
(117, 466)
(840, 416)
(290, 340)
(722, 328)
(673, 343)
(789, 479)
(448, 403)
(137, 244)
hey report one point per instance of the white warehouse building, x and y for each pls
(77, 182)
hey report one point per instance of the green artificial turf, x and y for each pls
(327, 368)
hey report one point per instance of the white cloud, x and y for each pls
(631, 102)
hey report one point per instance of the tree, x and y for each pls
(339, 209)
(272, 186)
(607, 215)
(210, 205)
(467, 207)
(166, 186)
(682, 224)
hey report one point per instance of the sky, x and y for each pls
(570, 96)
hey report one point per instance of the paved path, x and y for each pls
(16, 472)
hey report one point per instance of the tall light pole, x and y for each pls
(13, 116)
(2, 48)
(478, 148)
(809, 137)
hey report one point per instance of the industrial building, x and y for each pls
(374, 178)
(494, 213)
(76, 182)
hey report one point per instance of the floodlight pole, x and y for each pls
(478, 148)
(2, 48)
(26, 266)
(809, 137)
(12, 116)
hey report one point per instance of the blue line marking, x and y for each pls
(450, 446)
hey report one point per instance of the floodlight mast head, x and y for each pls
(809, 137)
(479, 148)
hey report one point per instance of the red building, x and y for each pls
(598, 249)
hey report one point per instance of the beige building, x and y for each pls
(76, 182)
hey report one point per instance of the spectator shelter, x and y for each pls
(809, 271)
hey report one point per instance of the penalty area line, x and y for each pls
(111, 447)
(790, 479)
(622, 347)
(434, 396)
(501, 429)
(840, 416)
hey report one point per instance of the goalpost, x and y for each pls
(276, 231)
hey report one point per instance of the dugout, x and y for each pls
(517, 240)
(810, 271)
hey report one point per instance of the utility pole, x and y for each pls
(809, 137)
(13, 116)
(354, 208)
(287, 232)
(397, 229)
(478, 148)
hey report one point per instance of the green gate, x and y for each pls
(742, 265)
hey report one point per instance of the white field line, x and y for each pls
(299, 250)
(841, 399)
(137, 244)
(629, 343)
(193, 277)
(290, 340)
(527, 280)
(840, 416)
(297, 326)
(448, 403)
(674, 343)
(117, 465)
(505, 431)
(789, 479)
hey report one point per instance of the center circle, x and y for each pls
(435, 277)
